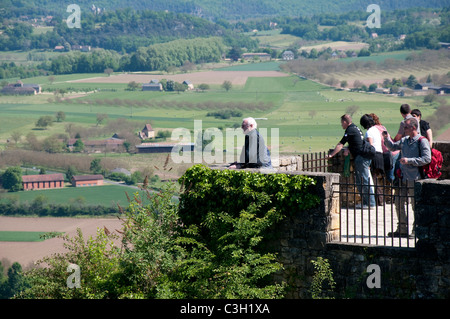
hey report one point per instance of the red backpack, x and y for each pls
(433, 169)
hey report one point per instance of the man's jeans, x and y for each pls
(362, 173)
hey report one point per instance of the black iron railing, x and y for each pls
(379, 224)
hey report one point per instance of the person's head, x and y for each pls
(346, 120)
(410, 127)
(416, 113)
(375, 118)
(405, 109)
(248, 124)
(366, 121)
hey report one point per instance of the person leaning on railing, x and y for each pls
(415, 152)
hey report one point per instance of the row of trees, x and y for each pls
(155, 57)
(321, 69)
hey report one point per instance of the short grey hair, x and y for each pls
(250, 121)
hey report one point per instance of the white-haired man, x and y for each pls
(254, 153)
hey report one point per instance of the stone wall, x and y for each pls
(287, 163)
(421, 272)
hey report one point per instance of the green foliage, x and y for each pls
(12, 179)
(229, 215)
(98, 259)
(44, 121)
(209, 190)
(323, 273)
(213, 244)
(96, 166)
(12, 284)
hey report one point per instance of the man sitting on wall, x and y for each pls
(254, 153)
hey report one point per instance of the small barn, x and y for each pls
(147, 132)
(288, 55)
(44, 181)
(154, 85)
(87, 180)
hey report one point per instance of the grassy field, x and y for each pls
(23, 236)
(292, 100)
(106, 195)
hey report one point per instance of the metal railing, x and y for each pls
(376, 225)
(315, 162)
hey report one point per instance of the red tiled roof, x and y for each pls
(79, 178)
(42, 178)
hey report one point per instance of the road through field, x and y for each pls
(26, 253)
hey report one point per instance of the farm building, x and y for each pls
(44, 181)
(87, 180)
(189, 84)
(147, 132)
(288, 55)
(162, 147)
(154, 85)
(20, 88)
(430, 87)
(111, 144)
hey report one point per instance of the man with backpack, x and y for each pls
(357, 146)
(415, 152)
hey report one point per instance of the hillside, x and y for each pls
(231, 9)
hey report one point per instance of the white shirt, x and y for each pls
(374, 133)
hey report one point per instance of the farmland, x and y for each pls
(106, 195)
(287, 104)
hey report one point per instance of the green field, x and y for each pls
(106, 195)
(23, 236)
(255, 66)
(292, 101)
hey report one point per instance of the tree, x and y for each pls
(70, 172)
(133, 86)
(52, 145)
(78, 146)
(430, 98)
(12, 179)
(411, 81)
(203, 87)
(96, 166)
(373, 87)
(16, 136)
(60, 116)
(108, 71)
(352, 109)
(101, 117)
(227, 85)
(44, 121)
(179, 87)
(14, 283)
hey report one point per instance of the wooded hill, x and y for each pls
(219, 9)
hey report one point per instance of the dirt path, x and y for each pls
(26, 253)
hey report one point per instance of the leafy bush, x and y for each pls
(210, 245)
